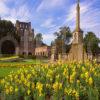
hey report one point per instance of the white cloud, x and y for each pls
(47, 38)
(50, 4)
(84, 7)
(90, 17)
(18, 15)
(20, 12)
(48, 23)
(3, 8)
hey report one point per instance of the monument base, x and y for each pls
(77, 53)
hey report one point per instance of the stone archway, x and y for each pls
(9, 45)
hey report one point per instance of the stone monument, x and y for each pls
(77, 52)
(54, 53)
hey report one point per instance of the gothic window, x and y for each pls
(21, 29)
(20, 25)
(43, 53)
(29, 53)
(23, 26)
(23, 53)
(26, 26)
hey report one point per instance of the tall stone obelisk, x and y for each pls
(78, 16)
(77, 34)
(77, 51)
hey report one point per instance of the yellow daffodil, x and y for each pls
(16, 89)
(65, 71)
(57, 86)
(33, 86)
(70, 77)
(39, 87)
(10, 89)
(87, 74)
(28, 92)
(90, 81)
(7, 91)
(48, 86)
(78, 81)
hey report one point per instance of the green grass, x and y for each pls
(5, 66)
(6, 62)
(4, 71)
(26, 61)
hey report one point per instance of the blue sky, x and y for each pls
(47, 16)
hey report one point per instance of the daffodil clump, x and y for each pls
(71, 81)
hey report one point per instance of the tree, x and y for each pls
(38, 39)
(7, 27)
(62, 40)
(91, 42)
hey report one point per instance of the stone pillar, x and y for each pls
(26, 42)
(78, 17)
(54, 53)
(59, 56)
(17, 50)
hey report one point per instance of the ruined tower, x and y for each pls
(26, 38)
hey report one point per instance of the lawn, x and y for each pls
(6, 71)
(8, 65)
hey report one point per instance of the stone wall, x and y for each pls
(26, 34)
(14, 41)
(43, 51)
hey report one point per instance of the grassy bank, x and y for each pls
(6, 71)
(7, 66)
